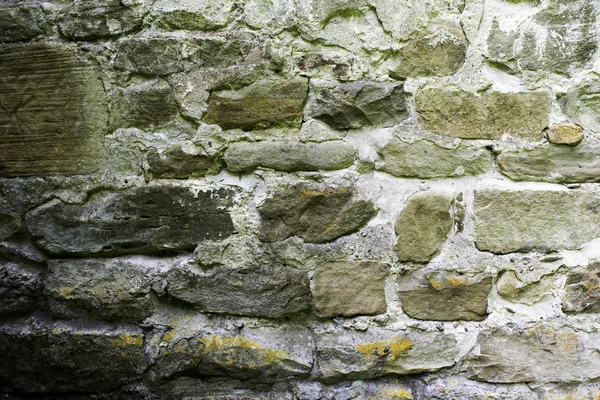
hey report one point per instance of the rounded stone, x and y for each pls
(569, 134)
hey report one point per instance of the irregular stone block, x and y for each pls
(424, 159)
(540, 353)
(556, 164)
(582, 102)
(357, 104)
(317, 215)
(570, 134)
(445, 296)
(191, 15)
(143, 106)
(263, 354)
(43, 86)
(290, 156)
(94, 19)
(379, 352)
(423, 226)
(10, 222)
(176, 163)
(263, 291)
(466, 115)
(512, 288)
(459, 388)
(21, 287)
(438, 50)
(154, 56)
(43, 356)
(350, 288)
(518, 220)
(582, 291)
(114, 289)
(20, 22)
(263, 104)
(138, 220)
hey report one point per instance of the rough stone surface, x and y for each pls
(42, 86)
(21, 287)
(350, 288)
(555, 164)
(140, 220)
(377, 352)
(455, 388)
(424, 159)
(540, 353)
(43, 356)
(466, 115)
(570, 134)
(176, 163)
(191, 15)
(316, 214)
(445, 296)
(516, 220)
(289, 156)
(582, 103)
(10, 222)
(20, 22)
(423, 226)
(115, 289)
(263, 291)
(582, 291)
(356, 104)
(263, 104)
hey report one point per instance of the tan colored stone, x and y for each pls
(570, 134)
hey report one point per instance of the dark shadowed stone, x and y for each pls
(424, 159)
(555, 164)
(290, 156)
(20, 22)
(42, 87)
(317, 215)
(357, 104)
(93, 19)
(157, 56)
(143, 106)
(535, 220)
(263, 104)
(539, 353)
(445, 296)
(21, 287)
(582, 292)
(10, 221)
(379, 352)
(438, 50)
(176, 163)
(263, 291)
(350, 288)
(423, 226)
(467, 115)
(44, 356)
(114, 289)
(138, 220)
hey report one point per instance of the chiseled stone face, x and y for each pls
(582, 291)
(350, 288)
(54, 112)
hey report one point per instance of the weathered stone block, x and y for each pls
(20, 22)
(540, 353)
(459, 388)
(350, 288)
(466, 115)
(423, 226)
(139, 220)
(115, 289)
(534, 220)
(10, 221)
(556, 164)
(155, 56)
(176, 163)
(21, 287)
(42, 87)
(290, 156)
(582, 291)
(356, 104)
(201, 15)
(569, 134)
(42, 356)
(317, 215)
(424, 159)
(263, 104)
(379, 352)
(445, 297)
(264, 291)
(143, 106)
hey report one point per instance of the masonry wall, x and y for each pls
(300, 199)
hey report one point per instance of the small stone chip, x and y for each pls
(570, 134)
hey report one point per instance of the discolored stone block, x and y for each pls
(54, 112)
(569, 134)
(139, 220)
(263, 104)
(582, 291)
(423, 226)
(20, 22)
(271, 290)
(21, 287)
(350, 288)
(316, 214)
(205, 15)
(176, 163)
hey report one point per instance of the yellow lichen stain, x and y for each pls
(392, 348)
(449, 282)
(168, 337)
(436, 284)
(393, 393)
(230, 351)
(568, 343)
(402, 394)
(330, 227)
(592, 284)
(64, 292)
(128, 341)
(313, 193)
(455, 282)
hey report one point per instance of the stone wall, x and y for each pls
(300, 199)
